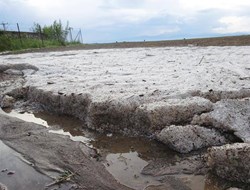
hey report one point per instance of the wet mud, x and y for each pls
(127, 158)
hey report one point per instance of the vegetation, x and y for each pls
(47, 36)
(54, 32)
(5, 42)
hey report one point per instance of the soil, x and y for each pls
(132, 161)
(243, 40)
(17, 174)
(53, 154)
(136, 162)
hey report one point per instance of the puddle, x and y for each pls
(23, 176)
(126, 167)
(29, 117)
(63, 125)
(195, 182)
(125, 156)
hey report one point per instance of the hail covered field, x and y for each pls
(155, 73)
(127, 84)
(188, 98)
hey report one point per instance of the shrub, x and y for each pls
(5, 42)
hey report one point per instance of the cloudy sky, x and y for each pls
(132, 20)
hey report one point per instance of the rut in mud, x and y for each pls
(126, 157)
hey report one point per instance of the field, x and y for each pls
(183, 95)
(218, 41)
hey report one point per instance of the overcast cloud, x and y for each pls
(130, 20)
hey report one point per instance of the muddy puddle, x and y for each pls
(18, 174)
(123, 157)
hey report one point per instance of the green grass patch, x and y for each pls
(8, 43)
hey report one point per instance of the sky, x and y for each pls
(103, 21)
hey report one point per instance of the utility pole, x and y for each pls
(41, 34)
(78, 37)
(70, 34)
(4, 24)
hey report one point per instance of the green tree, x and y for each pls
(56, 31)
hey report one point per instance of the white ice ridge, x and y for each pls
(155, 73)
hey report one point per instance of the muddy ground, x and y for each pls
(218, 41)
(52, 155)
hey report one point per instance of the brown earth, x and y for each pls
(243, 40)
(53, 154)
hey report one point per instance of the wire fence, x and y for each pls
(17, 37)
(20, 31)
(7, 26)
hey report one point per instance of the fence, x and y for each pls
(15, 34)
(13, 31)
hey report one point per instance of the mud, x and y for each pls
(24, 177)
(59, 155)
(123, 157)
(134, 162)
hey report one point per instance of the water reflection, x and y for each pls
(127, 167)
(24, 176)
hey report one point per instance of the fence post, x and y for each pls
(19, 34)
(41, 35)
(70, 34)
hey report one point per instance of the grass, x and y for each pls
(8, 43)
